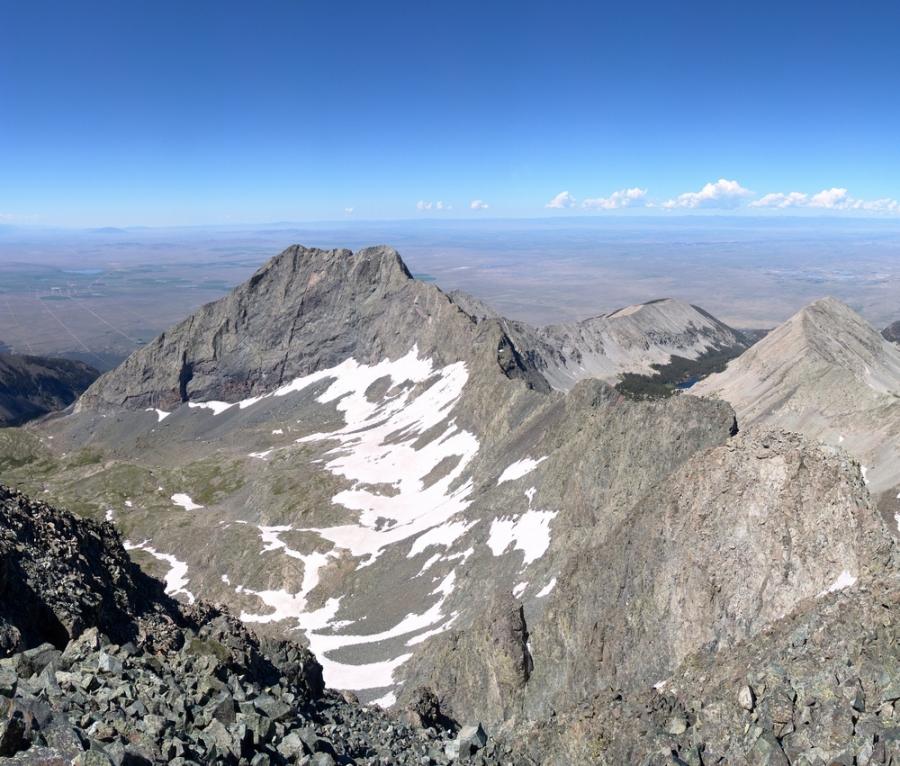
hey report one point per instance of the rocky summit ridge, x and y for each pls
(462, 531)
(631, 339)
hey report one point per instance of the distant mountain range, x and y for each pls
(432, 496)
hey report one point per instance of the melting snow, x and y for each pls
(520, 589)
(845, 580)
(161, 414)
(185, 502)
(519, 469)
(176, 578)
(385, 702)
(445, 534)
(261, 455)
(530, 533)
(863, 469)
(277, 432)
(545, 591)
(129, 503)
(109, 514)
(217, 407)
(378, 445)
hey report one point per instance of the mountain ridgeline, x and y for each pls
(465, 521)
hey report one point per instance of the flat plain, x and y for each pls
(97, 295)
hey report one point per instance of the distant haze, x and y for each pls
(98, 295)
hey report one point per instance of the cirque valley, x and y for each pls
(427, 494)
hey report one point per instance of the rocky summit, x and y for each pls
(457, 523)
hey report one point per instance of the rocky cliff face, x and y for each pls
(826, 373)
(31, 386)
(304, 311)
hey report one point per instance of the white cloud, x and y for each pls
(619, 199)
(479, 204)
(886, 205)
(422, 205)
(18, 217)
(348, 210)
(827, 199)
(831, 199)
(794, 199)
(723, 194)
(561, 201)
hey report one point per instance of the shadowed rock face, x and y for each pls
(31, 386)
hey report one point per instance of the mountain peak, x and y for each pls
(825, 372)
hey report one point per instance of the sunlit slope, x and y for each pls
(829, 374)
(631, 339)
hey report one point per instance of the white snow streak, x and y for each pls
(545, 591)
(161, 414)
(845, 580)
(176, 578)
(519, 469)
(185, 502)
(363, 456)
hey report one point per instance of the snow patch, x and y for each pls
(185, 502)
(176, 578)
(427, 564)
(161, 414)
(385, 702)
(377, 445)
(520, 589)
(261, 455)
(844, 580)
(530, 533)
(863, 470)
(519, 469)
(445, 534)
(277, 432)
(129, 503)
(546, 590)
(217, 407)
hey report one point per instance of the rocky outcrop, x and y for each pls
(60, 575)
(31, 386)
(628, 340)
(817, 687)
(479, 673)
(736, 538)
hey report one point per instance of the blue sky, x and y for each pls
(171, 113)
